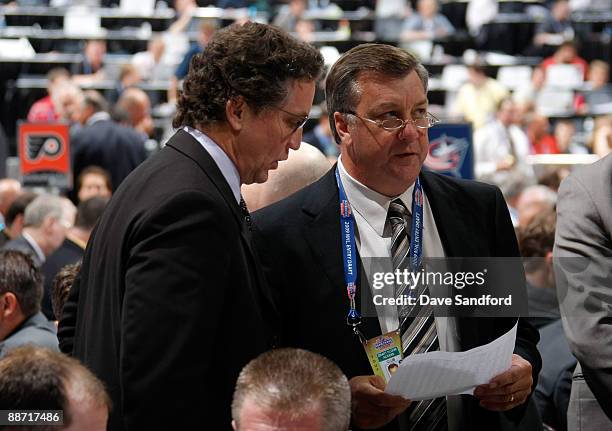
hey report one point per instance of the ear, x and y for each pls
(235, 111)
(234, 426)
(342, 128)
(8, 305)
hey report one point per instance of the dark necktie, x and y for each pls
(417, 324)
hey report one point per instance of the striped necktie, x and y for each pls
(417, 324)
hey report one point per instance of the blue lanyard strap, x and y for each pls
(351, 263)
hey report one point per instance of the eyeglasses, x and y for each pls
(393, 124)
(298, 124)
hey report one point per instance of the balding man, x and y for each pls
(102, 142)
(532, 201)
(9, 189)
(43, 229)
(136, 105)
(303, 167)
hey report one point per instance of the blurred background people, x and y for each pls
(93, 181)
(21, 290)
(426, 23)
(44, 110)
(44, 229)
(13, 222)
(33, 378)
(9, 190)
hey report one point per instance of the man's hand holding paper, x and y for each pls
(509, 389)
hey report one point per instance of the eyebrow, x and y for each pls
(394, 105)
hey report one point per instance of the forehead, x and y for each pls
(380, 91)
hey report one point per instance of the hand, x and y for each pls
(371, 406)
(508, 389)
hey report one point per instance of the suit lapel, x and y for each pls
(323, 235)
(186, 144)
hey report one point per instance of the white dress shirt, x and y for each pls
(373, 236)
(225, 164)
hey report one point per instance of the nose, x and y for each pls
(295, 139)
(409, 132)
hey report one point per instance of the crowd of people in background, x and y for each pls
(43, 236)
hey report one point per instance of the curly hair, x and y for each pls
(254, 61)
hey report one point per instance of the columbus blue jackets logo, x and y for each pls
(446, 155)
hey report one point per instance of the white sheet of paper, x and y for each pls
(435, 374)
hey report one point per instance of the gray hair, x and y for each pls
(42, 207)
(342, 90)
(294, 381)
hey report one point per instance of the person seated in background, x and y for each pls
(44, 110)
(93, 181)
(62, 283)
(567, 53)
(525, 95)
(427, 23)
(44, 228)
(206, 30)
(556, 27)
(552, 394)
(303, 167)
(9, 190)
(542, 142)
(599, 91)
(478, 98)
(73, 247)
(185, 21)
(128, 78)
(102, 142)
(13, 222)
(565, 138)
(33, 378)
(501, 147)
(321, 136)
(91, 68)
(148, 63)
(21, 290)
(291, 389)
(289, 14)
(532, 201)
(136, 106)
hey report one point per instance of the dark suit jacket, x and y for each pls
(106, 144)
(68, 253)
(170, 305)
(299, 242)
(22, 245)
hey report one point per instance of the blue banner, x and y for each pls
(451, 150)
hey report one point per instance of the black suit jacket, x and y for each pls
(299, 242)
(170, 305)
(109, 145)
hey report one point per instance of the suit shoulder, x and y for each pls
(452, 184)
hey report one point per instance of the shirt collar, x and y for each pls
(98, 116)
(34, 246)
(225, 164)
(369, 204)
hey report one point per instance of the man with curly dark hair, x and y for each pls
(170, 303)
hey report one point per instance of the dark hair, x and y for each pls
(342, 82)
(89, 211)
(62, 283)
(95, 170)
(18, 206)
(537, 238)
(36, 378)
(20, 276)
(254, 61)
